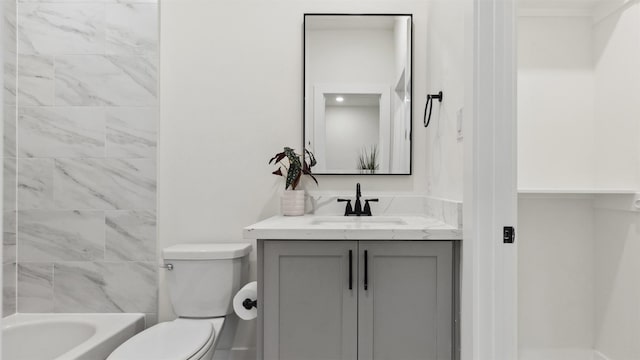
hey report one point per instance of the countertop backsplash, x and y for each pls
(390, 203)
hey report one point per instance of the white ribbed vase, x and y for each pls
(292, 202)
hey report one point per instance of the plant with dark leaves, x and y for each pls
(297, 166)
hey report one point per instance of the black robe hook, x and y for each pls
(429, 105)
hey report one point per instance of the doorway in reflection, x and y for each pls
(352, 130)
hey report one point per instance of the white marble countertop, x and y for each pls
(318, 227)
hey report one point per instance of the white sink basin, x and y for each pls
(363, 221)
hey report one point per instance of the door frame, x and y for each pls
(489, 321)
(319, 138)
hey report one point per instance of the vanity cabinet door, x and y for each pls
(405, 311)
(308, 309)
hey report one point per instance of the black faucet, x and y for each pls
(358, 211)
(358, 207)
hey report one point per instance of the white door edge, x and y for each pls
(489, 267)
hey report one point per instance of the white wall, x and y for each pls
(350, 56)
(231, 87)
(556, 97)
(556, 257)
(556, 147)
(349, 130)
(579, 126)
(617, 55)
(617, 284)
(578, 107)
(445, 71)
(578, 277)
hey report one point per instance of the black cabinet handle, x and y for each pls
(350, 269)
(366, 270)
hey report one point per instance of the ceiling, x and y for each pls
(353, 99)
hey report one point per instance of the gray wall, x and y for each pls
(86, 156)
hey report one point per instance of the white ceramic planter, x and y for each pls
(292, 202)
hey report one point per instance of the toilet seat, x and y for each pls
(181, 339)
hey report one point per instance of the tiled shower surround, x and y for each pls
(86, 157)
(9, 55)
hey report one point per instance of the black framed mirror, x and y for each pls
(358, 93)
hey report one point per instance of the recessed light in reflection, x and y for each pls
(339, 99)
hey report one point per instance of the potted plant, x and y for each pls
(294, 165)
(368, 160)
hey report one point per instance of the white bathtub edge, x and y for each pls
(111, 330)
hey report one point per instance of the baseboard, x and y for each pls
(250, 354)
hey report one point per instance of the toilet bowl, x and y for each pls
(201, 279)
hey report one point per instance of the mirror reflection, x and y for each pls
(358, 93)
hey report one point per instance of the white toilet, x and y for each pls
(202, 280)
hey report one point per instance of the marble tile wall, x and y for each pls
(9, 161)
(86, 115)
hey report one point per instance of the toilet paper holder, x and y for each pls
(249, 304)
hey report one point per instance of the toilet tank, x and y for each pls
(205, 277)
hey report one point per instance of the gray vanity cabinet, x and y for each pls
(308, 310)
(404, 312)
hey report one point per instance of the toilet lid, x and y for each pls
(174, 340)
